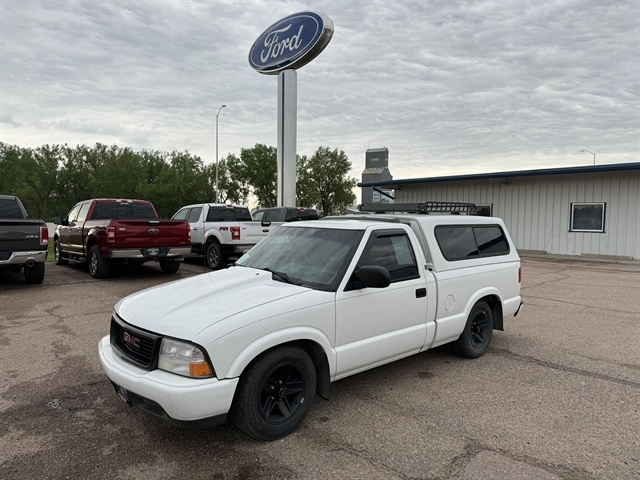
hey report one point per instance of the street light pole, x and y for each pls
(217, 194)
(594, 155)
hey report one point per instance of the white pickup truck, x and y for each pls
(312, 303)
(219, 231)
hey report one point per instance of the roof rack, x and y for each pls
(423, 208)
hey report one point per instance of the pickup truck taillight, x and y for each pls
(44, 236)
(519, 274)
(235, 233)
(111, 234)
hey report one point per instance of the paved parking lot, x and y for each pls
(556, 396)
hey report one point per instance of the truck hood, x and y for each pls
(183, 308)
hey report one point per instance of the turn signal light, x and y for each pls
(235, 233)
(44, 235)
(111, 234)
(200, 370)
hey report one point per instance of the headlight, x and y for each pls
(184, 359)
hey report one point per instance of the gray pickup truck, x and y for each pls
(23, 240)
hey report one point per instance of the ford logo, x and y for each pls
(291, 42)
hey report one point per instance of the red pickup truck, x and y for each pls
(102, 231)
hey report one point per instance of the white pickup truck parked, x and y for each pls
(312, 303)
(219, 231)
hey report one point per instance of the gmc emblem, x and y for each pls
(154, 230)
(131, 340)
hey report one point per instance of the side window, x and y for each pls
(82, 215)
(458, 242)
(182, 214)
(194, 216)
(73, 213)
(292, 215)
(272, 216)
(491, 241)
(394, 253)
(257, 216)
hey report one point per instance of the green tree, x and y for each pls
(259, 168)
(323, 181)
(233, 185)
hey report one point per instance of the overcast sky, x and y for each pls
(448, 87)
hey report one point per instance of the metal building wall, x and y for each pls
(537, 209)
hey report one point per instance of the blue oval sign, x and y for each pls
(291, 43)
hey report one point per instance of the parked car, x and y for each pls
(312, 303)
(102, 231)
(285, 214)
(220, 231)
(23, 240)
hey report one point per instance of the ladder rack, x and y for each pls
(422, 208)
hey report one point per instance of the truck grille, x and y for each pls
(135, 345)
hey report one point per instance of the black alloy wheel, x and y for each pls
(477, 333)
(275, 393)
(214, 256)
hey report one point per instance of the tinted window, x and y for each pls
(9, 209)
(272, 216)
(242, 214)
(194, 216)
(258, 215)
(460, 242)
(123, 211)
(490, 240)
(221, 214)
(394, 253)
(182, 214)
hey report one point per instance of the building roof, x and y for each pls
(498, 175)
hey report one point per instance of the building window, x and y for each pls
(484, 209)
(587, 217)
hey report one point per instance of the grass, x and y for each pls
(50, 250)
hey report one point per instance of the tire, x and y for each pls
(476, 337)
(214, 256)
(289, 373)
(98, 266)
(34, 274)
(57, 254)
(169, 266)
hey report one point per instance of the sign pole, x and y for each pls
(287, 137)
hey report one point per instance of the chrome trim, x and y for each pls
(179, 251)
(20, 258)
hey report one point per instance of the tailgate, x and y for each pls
(151, 233)
(252, 232)
(19, 235)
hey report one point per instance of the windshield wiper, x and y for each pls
(281, 275)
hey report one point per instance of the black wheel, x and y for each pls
(34, 274)
(477, 333)
(57, 254)
(214, 256)
(275, 393)
(169, 266)
(98, 266)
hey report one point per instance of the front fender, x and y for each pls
(264, 343)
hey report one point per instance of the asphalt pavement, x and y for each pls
(557, 396)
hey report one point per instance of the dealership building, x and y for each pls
(591, 211)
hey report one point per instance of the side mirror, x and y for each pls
(266, 224)
(57, 220)
(373, 276)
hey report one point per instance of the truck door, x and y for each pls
(195, 223)
(379, 325)
(65, 232)
(76, 233)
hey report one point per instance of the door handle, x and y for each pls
(421, 292)
(266, 230)
(195, 229)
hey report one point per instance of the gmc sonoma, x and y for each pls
(310, 304)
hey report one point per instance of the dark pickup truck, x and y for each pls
(102, 231)
(285, 214)
(23, 240)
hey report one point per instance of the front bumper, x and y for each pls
(20, 258)
(182, 401)
(150, 253)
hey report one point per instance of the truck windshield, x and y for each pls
(312, 257)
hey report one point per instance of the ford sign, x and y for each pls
(291, 43)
